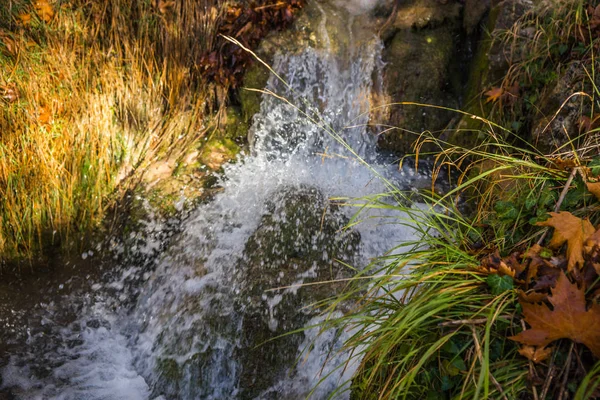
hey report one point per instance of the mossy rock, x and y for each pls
(256, 77)
(236, 127)
(299, 240)
(217, 151)
(418, 71)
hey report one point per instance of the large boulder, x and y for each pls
(427, 53)
(300, 241)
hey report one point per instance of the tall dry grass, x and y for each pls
(93, 91)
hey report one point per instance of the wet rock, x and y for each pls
(505, 14)
(300, 241)
(417, 69)
(488, 67)
(419, 14)
(218, 151)
(473, 14)
(255, 78)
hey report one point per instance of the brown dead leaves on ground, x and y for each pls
(554, 282)
(569, 318)
(248, 24)
(571, 230)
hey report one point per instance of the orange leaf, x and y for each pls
(594, 188)
(494, 94)
(44, 115)
(44, 10)
(568, 228)
(568, 319)
(537, 355)
(25, 18)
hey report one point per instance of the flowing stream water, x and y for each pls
(195, 321)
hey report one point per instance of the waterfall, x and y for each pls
(207, 313)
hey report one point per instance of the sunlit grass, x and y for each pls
(104, 89)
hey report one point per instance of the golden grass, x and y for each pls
(91, 92)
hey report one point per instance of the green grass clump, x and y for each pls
(428, 321)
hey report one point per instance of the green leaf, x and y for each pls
(530, 202)
(451, 347)
(575, 196)
(506, 210)
(459, 364)
(547, 197)
(546, 253)
(594, 165)
(499, 284)
(562, 49)
(447, 384)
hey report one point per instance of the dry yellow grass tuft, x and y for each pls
(91, 91)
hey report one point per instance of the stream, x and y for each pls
(199, 313)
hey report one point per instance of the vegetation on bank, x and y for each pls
(95, 94)
(498, 298)
(92, 91)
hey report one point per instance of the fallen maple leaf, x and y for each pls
(44, 10)
(532, 297)
(568, 228)
(537, 355)
(594, 188)
(536, 261)
(494, 94)
(568, 319)
(592, 248)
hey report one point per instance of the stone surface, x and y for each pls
(473, 14)
(218, 151)
(419, 55)
(298, 241)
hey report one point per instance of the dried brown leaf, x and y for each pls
(572, 230)
(594, 188)
(536, 354)
(494, 94)
(164, 6)
(568, 319)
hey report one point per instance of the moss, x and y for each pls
(468, 130)
(237, 126)
(168, 369)
(417, 71)
(218, 151)
(256, 78)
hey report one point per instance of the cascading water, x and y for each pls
(205, 313)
